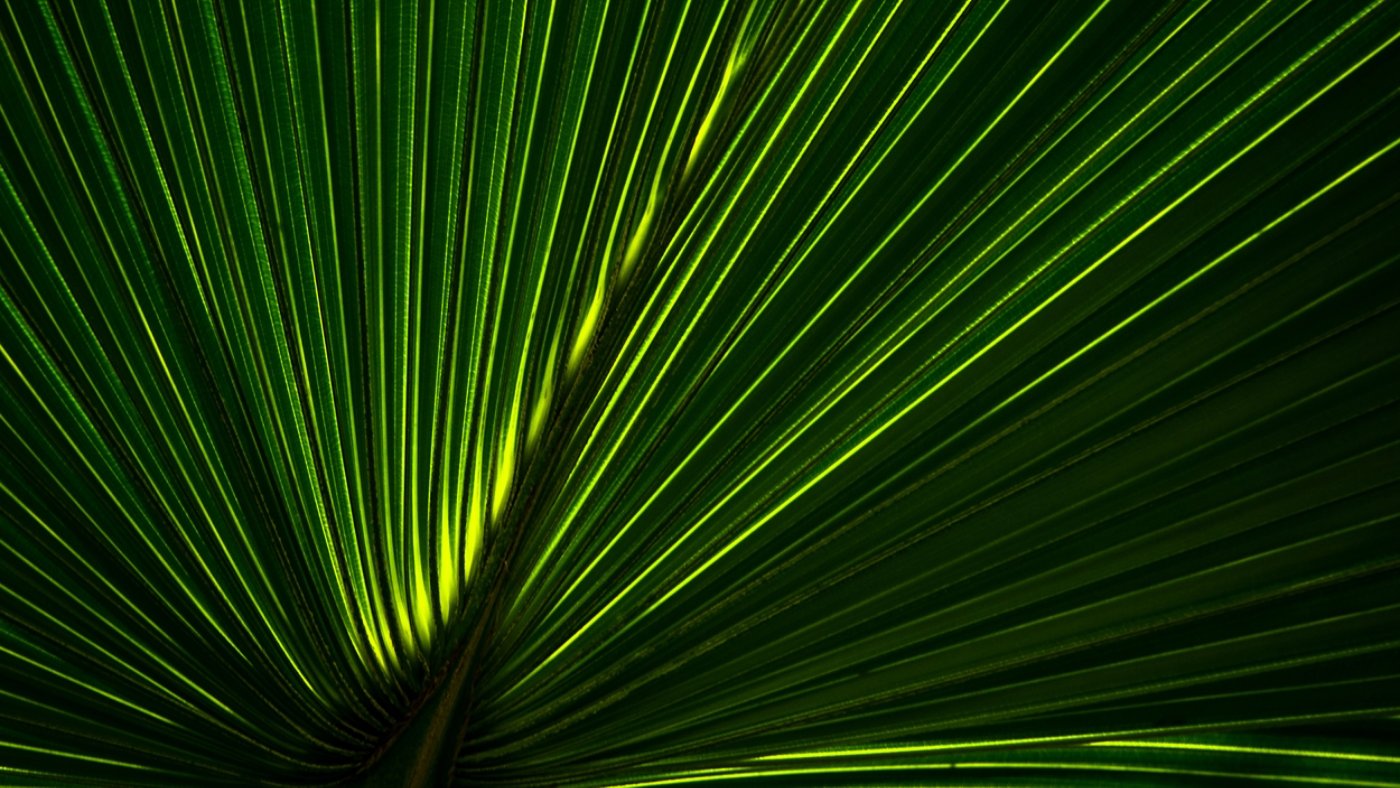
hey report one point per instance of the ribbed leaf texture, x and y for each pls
(649, 392)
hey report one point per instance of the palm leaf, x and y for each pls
(657, 393)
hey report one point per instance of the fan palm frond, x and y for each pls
(667, 392)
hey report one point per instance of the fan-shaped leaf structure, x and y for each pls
(650, 392)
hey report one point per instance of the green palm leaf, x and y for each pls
(659, 393)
